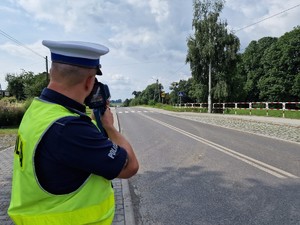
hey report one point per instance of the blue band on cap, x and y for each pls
(91, 63)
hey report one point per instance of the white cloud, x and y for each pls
(17, 58)
(136, 38)
(160, 9)
(242, 13)
(68, 14)
(24, 51)
(6, 9)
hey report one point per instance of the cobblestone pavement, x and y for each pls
(7, 141)
(279, 128)
(290, 132)
(5, 184)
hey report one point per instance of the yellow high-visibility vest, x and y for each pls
(92, 203)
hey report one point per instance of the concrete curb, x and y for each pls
(128, 206)
(127, 203)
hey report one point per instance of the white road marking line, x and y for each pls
(253, 162)
(132, 111)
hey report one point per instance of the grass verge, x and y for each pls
(270, 113)
(4, 131)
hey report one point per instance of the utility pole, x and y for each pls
(158, 90)
(209, 70)
(47, 74)
(209, 87)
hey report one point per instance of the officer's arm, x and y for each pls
(131, 166)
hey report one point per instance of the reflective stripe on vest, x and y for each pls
(92, 203)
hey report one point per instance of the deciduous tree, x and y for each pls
(212, 44)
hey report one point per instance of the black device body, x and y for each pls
(98, 97)
(97, 101)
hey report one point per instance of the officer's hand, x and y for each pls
(107, 119)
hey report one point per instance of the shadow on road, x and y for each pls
(194, 195)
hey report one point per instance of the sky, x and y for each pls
(146, 38)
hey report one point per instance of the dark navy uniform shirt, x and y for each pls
(72, 149)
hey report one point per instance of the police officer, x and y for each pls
(63, 164)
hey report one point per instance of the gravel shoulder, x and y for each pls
(273, 127)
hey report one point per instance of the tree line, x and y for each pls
(268, 69)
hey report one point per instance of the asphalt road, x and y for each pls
(195, 173)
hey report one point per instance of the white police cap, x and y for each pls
(77, 53)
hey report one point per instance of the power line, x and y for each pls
(266, 18)
(19, 43)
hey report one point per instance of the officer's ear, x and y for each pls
(89, 83)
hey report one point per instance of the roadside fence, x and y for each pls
(250, 106)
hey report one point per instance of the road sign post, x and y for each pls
(180, 94)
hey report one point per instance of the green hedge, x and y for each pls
(11, 113)
(11, 116)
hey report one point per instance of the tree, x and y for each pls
(174, 93)
(281, 61)
(238, 80)
(252, 66)
(34, 84)
(151, 93)
(213, 45)
(15, 86)
(198, 91)
(136, 93)
(126, 102)
(296, 87)
(185, 87)
(26, 84)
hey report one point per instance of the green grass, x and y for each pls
(271, 113)
(4, 131)
(292, 114)
(254, 112)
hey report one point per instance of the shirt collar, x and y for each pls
(58, 98)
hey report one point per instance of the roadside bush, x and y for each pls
(11, 116)
(8, 100)
(159, 105)
(151, 102)
(11, 113)
(27, 103)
